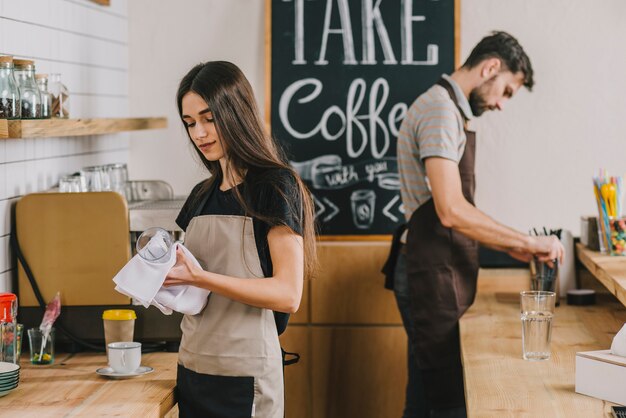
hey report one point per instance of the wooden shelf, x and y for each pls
(43, 128)
(609, 270)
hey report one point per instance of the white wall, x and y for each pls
(165, 43)
(535, 159)
(88, 45)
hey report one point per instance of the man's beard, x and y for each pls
(477, 102)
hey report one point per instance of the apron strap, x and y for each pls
(389, 269)
(446, 85)
(295, 357)
(205, 198)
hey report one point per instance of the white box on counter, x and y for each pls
(602, 375)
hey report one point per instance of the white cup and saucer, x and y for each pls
(124, 361)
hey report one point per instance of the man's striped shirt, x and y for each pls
(433, 127)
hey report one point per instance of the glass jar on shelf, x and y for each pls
(118, 178)
(46, 97)
(60, 97)
(30, 98)
(9, 93)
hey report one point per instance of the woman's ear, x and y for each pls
(490, 67)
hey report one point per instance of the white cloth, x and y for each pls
(618, 346)
(143, 280)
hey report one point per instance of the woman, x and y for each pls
(250, 225)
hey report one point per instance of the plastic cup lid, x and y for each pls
(7, 297)
(119, 314)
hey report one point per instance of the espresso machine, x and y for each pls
(75, 243)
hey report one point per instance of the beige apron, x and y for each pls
(230, 338)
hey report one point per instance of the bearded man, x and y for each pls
(437, 266)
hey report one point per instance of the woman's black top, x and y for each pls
(272, 193)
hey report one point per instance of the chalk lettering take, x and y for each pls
(372, 25)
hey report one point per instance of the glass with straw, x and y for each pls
(42, 338)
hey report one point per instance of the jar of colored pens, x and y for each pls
(608, 191)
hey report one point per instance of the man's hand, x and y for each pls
(546, 248)
(454, 211)
(523, 256)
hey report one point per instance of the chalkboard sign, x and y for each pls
(343, 73)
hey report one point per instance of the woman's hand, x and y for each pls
(183, 272)
(281, 292)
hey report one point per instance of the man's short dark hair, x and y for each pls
(505, 47)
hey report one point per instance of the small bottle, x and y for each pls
(60, 97)
(30, 97)
(8, 327)
(9, 92)
(46, 97)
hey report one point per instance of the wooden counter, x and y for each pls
(609, 270)
(71, 388)
(499, 383)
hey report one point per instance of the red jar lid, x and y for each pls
(8, 303)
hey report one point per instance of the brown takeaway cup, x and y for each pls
(119, 325)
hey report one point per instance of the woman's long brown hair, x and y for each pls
(246, 145)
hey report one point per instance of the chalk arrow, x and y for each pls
(389, 206)
(331, 205)
(319, 206)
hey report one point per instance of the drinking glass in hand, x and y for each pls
(155, 245)
(537, 310)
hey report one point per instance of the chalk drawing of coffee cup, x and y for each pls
(363, 203)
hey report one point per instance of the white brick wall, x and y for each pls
(88, 45)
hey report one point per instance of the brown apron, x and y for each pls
(229, 338)
(442, 268)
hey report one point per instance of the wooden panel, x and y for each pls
(297, 339)
(349, 287)
(609, 270)
(358, 372)
(355, 237)
(492, 352)
(457, 33)
(4, 129)
(268, 65)
(77, 391)
(42, 128)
